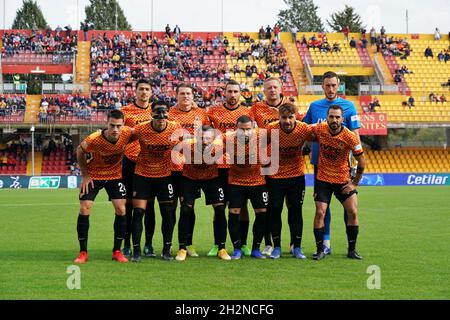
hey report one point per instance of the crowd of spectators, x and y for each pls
(13, 151)
(12, 105)
(40, 42)
(321, 43)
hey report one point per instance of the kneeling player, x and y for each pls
(99, 157)
(200, 174)
(335, 144)
(246, 182)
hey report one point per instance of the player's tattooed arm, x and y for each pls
(86, 180)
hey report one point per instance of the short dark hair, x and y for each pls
(330, 75)
(159, 103)
(115, 114)
(184, 85)
(233, 83)
(335, 107)
(143, 80)
(288, 108)
(206, 127)
(244, 119)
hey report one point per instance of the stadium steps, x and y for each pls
(32, 109)
(295, 62)
(394, 65)
(83, 64)
(388, 79)
(364, 55)
(37, 164)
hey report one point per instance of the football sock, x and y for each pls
(167, 225)
(191, 227)
(276, 223)
(129, 219)
(259, 226)
(233, 227)
(327, 221)
(120, 225)
(352, 234)
(295, 220)
(149, 222)
(82, 230)
(318, 234)
(220, 235)
(138, 214)
(183, 225)
(244, 226)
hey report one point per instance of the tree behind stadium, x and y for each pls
(347, 17)
(101, 14)
(29, 16)
(301, 14)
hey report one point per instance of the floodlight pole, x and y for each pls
(151, 15)
(32, 150)
(222, 14)
(407, 22)
(116, 16)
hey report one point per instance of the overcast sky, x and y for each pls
(243, 15)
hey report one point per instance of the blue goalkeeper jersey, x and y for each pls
(317, 113)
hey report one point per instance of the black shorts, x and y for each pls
(177, 178)
(258, 195)
(128, 167)
(147, 188)
(212, 188)
(115, 189)
(223, 178)
(291, 188)
(324, 190)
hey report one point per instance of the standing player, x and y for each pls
(224, 118)
(190, 117)
(289, 181)
(265, 112)
(245, 181)
(333, 176)
(99, 157)
(152, 176)
(198, 174)
(317, 113)
(135, 113)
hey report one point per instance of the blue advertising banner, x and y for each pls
(41, 182)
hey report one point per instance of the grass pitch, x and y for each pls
(404, 231)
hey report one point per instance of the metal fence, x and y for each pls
(68, 116)
(13, 88)
(60, 88)
(365, 89)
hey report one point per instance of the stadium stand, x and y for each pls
(12, 108)
(13, 158)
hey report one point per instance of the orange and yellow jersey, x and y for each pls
(154, 160)
(245, 167)
(103, 157)
(197, 168)
(264, 113)
(290, 145)
(189, 121)
(334, 150)
(133, 116)
(224, 119)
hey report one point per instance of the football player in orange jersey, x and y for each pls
(200, 173)
(99, 157)
(190, 117)
(264, 113)
(224, 118)
(245, 181)
(333, 176)
(289, 181)
(137, 112)
(152, 176)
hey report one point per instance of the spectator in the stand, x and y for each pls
(4, 160)
(411, 101)
(85, 28)
(261, 33)
(397, 77)
(276, 31)
(167, 30)
(441, 56)
(353, 43)
(373, 36)
(437, 34)
(346, 31)
(336, 47)
(58, 30)
(177, 32)
(442, 98)
(432, 97)
(382, 31)
(294, 31)
(428, 52)
(268, 32)
(375, 103)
